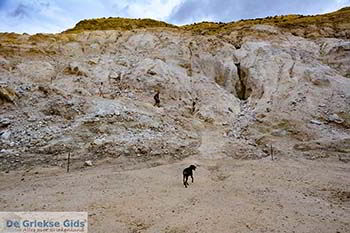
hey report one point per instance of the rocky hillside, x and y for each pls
(280, 81)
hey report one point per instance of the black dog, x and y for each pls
(188, 172)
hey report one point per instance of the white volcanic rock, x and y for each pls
(37, 71)
(93, 94)
(266, 28)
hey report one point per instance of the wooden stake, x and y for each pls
(68, 162)
(271, 152)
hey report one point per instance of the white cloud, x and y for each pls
(337, 5)
(58, 15)
(231, 10)
(156, 9)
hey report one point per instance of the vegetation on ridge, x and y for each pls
(117, 24)
(341, 16)
(336, 21)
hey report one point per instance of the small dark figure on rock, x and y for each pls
(193, 106)
(157, 99)
(100, 91)
(188, 172)
(194, 103)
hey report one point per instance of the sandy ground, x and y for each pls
(285, 195)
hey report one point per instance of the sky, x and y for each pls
(52, 16)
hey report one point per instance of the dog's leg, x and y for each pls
(185, 181)
(192, 178)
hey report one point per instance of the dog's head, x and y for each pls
(193, 167)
